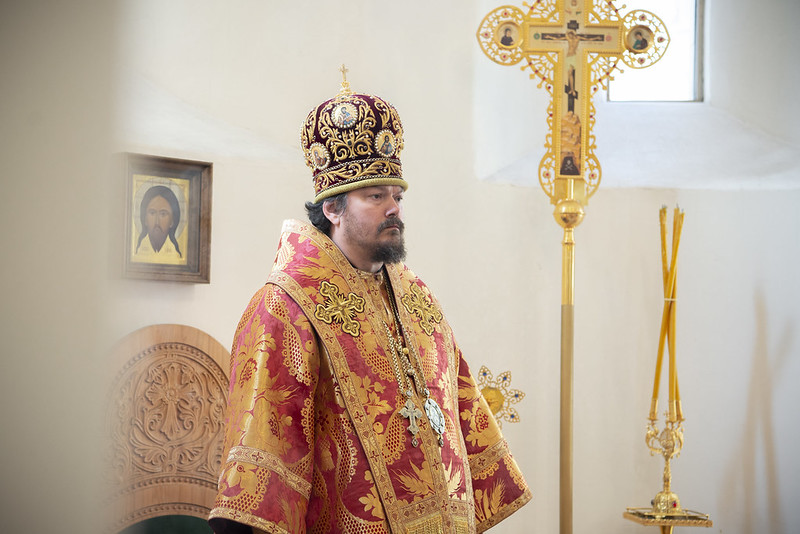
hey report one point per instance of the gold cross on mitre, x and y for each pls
(345, 90)
(572, 48)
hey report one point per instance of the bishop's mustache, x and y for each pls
(394, 221)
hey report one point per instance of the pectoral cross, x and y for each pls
(412, 413)
(572, 47)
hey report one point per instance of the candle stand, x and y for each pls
(666, 511)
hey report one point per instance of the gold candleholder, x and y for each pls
(668, 443)
(666, 511)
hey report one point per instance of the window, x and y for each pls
(677, 76)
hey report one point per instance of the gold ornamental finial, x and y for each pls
(345, 90)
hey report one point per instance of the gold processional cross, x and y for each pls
(572, 48)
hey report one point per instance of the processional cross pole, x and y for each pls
(572, 48)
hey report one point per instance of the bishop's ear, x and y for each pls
(333, 208)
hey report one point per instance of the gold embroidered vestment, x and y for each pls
(315, 439)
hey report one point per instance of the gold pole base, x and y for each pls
(687, 518)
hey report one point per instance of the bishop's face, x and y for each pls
(372, 223)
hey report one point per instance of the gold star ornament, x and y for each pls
(498, 395)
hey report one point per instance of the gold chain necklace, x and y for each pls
(414, 373)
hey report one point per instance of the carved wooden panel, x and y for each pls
(166, 418)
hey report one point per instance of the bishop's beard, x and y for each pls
(395, 251)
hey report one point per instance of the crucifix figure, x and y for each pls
(574, 45)
(573, 39)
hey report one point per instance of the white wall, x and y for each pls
(231, 83)
(752, 65)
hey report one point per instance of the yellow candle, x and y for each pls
(659, 360)
(673, 272)
(662, 219)
(668, 329)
